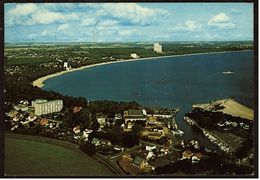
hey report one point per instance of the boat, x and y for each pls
(227, 72)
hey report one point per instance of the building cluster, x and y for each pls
(134, 164)
(193, 156)
(228, 124)
(141, 160)
(30, 116)
(221, 144)
(148, 157)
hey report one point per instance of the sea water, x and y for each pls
(166, 82)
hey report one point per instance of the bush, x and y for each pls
(89, 149)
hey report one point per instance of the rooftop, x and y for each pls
(133, 112)
(138, 160)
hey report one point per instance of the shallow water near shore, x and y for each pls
(166, 82)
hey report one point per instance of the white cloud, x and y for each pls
(192, 25)
(126, 32)
(131, 11)
(47, 17)
(219, 18)
(87, 21)
(187, 26)
(31, 14)
(63, 27)
(23, 9)
(221, 21)
(32, 36)
(111, 14)
(228, 25)
(45, 32)
(108, 23)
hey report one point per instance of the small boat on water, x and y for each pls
(227, 72)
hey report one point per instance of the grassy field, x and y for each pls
(31, 158)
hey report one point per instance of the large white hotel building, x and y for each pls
(43, 106)
(157, 48)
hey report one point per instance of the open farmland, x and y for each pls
(25, 157)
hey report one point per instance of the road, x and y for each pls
(111, 161)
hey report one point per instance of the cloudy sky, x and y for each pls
(124, 22)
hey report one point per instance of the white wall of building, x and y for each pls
(47, 107)
(157, 48)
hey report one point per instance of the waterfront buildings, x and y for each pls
(66, 66)
(43, 106)
(157, 48)
(134, 55)
(134, 115)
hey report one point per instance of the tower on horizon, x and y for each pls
(157, 47)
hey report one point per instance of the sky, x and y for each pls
(127, 22)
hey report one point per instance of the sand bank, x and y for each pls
(231, 107)
(40, 82)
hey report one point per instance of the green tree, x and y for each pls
(88, 148)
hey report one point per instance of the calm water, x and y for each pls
(167, 82)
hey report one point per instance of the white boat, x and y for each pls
(227, 72)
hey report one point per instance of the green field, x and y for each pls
(25, 157)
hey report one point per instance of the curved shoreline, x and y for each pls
(40, 82)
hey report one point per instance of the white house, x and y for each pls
(86, 133)
(101, 121)
(66, 66)
(150, 148)
(76, 129)
(134, 55)
(31, 118)
(149, 155)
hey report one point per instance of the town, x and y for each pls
(134, 142)
(128, 138)
(143, 137)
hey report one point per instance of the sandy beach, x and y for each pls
(40, 82)
(231, 107)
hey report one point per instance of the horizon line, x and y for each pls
(89, 42)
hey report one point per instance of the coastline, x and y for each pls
(231, 107)
(40, 81)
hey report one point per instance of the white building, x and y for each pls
(150, 148)
(134, 55)
(66, 66)
(133, 115)
(21, 107)
(43, 106)
(101, 121)
(157, 48)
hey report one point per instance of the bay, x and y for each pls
(166, 82)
